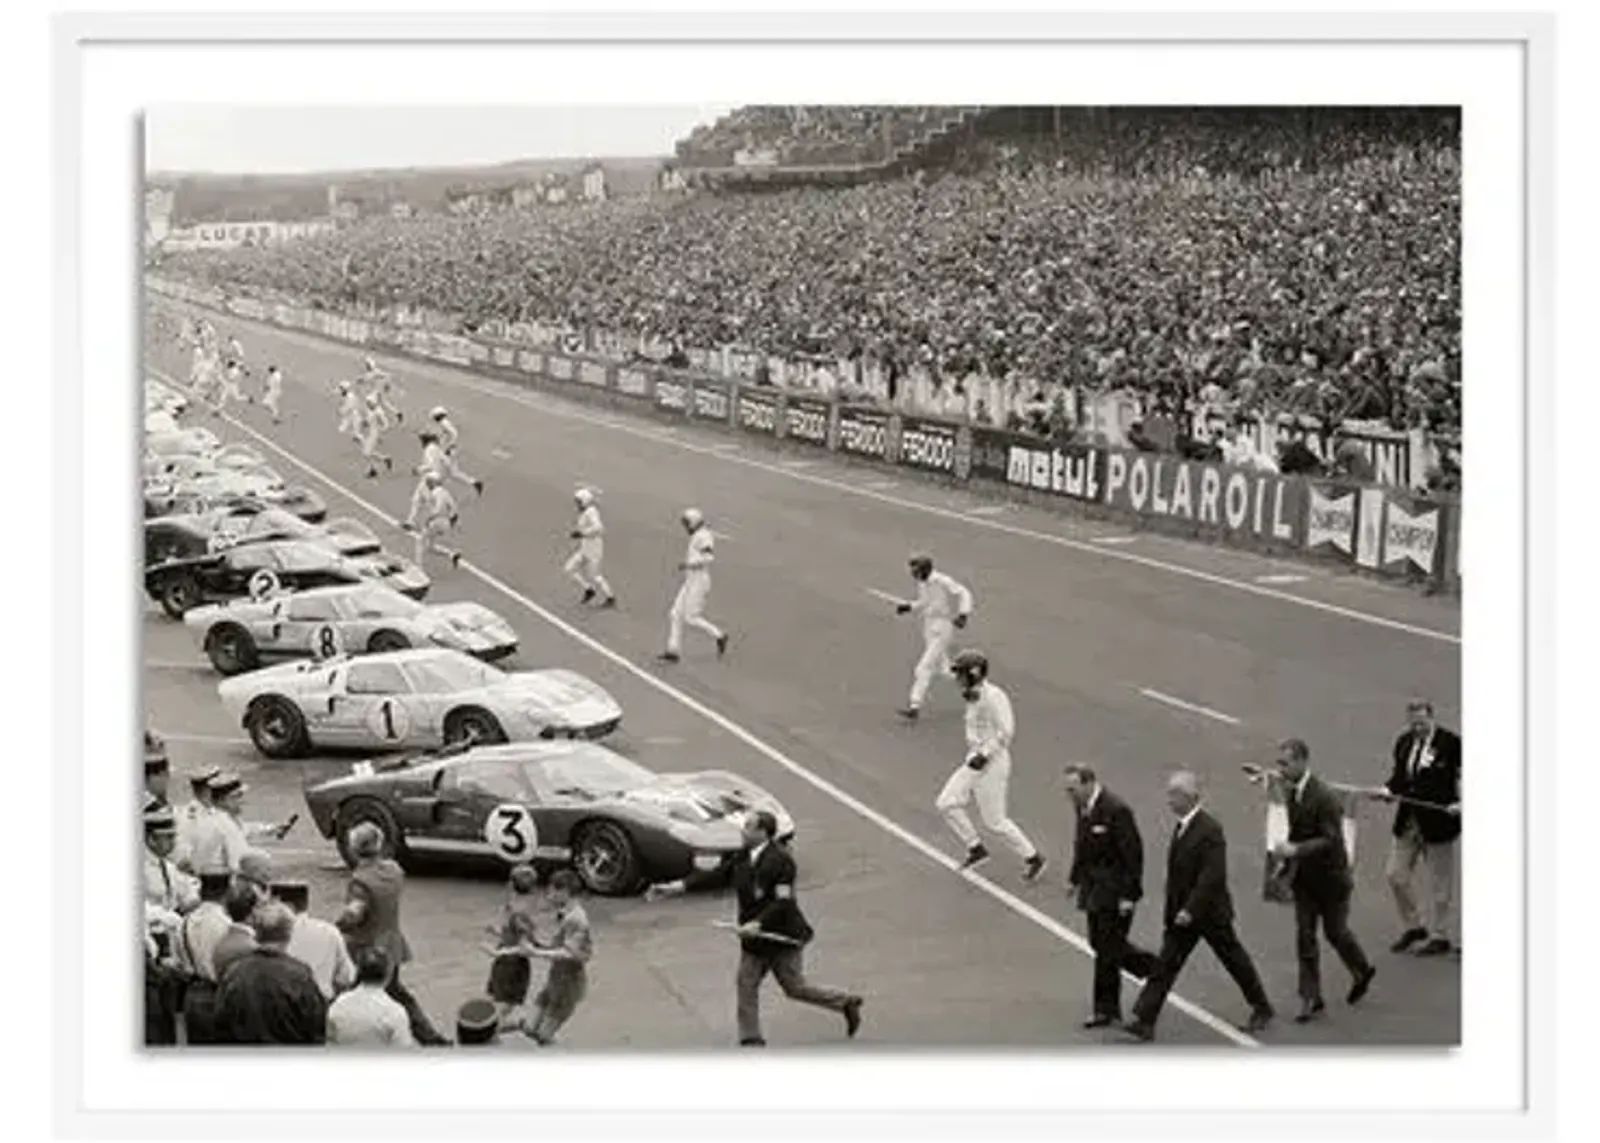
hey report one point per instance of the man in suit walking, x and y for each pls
(1107, 877)
(1319, 875)
(772, 933)
(1198, 908)
(1427, 768)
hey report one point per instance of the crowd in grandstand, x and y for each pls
(1252, 259)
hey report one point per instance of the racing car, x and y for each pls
(400, 700)
(177, 467)
(228, 484)
(245, 521)
(327, 621)
(260, 569)
(619, 825)
(179, 441)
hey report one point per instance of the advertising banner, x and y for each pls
(530, 362)
(929, 445)
(358, 331)
(1077, 472)
(503, 356)
(478, 351)
(385, 334)
(593, 373)
(758, 412)
(991, 452)
(711, 401)
(672, 395)
(806, 420)
(864, 432)
(633, 382)
(1331, 518)
(1237, 501)
(451, 348)
(1410, 534)
(559, 367)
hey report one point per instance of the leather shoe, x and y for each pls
(1259, 1019)
(1438, 946)
(1309, 1011)
(1362, 983)
(1407, 939)
(852, 1016)
(1140, 1031)
(752, 1043)
(1100, 1020)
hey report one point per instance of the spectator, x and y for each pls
(268, 997)
(367, 1016)
(198, 937)
(240, 937)
(316, 943)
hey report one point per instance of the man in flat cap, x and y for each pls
(166, 897)
(166, 887)
(222, 838)
(316, 943)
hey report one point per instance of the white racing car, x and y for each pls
(400, 700)
(324, 622)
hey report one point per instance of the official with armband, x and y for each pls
(1426, 782)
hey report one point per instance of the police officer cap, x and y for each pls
(476, 1022)
(204, 779)
(159, 818)
(224, 784)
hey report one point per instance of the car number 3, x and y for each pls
(511, 833)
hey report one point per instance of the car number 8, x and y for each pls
(325, 642)
(511, 832)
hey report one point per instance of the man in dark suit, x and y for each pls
(1319, 875)
(1198, 908)
(1108, 877)
(773, 932)
(1426, 767)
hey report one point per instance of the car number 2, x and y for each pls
(511, 832)
(389, 721)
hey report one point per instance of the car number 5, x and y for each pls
(511, 833)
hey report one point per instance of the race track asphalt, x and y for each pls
(1081, 632)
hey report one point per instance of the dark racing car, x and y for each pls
(256, 570)
(620, 826)
(248, 521)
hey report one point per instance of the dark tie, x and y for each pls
(1416, 755)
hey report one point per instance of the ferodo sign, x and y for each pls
(864, 433)
(671, 395)
(711, 401)
(1237, 501)
(806, 420)
(928, 445)
(758, 414)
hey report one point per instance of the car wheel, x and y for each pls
(178, 593)
(387, 641)
(472, 725)
(604, 858)
(359, 811)
(277, 727)
(231, 649)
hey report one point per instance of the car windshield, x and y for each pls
(377, 602)
(302, 557)
(447, 674)
(277, 522)
(587, 772)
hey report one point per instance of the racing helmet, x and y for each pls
(433, 478)
(921, 565)
(438, 413)
(584, 497)
(693, 518)
(970, 668)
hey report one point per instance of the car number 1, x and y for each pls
(389, 721)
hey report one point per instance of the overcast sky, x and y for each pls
(283, 140)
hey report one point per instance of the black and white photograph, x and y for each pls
(745, 574)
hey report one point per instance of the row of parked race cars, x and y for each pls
(326, 646)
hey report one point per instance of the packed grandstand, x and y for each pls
(982, 262)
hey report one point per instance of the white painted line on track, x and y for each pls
(938, 856)
(500, 454)
(880, 485)
(1281, 578)
(552, 406)
(991, 510)
(205, 739)
(886, 597)
(1189, 706)
(1113, 539)
(172, 665)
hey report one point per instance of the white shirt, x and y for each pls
(589, 526)
(190, 815)
(368, 1016)
(1183, 822)
(319, 945)
(168, 886)
(990, 723)
(274, 380)
(222, 839)
(433, 460)
(448, 436)
(940, 599)
(199, 935)
(700, 554)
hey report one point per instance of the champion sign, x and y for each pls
(560, 367)
(633, 382)
(671, 394)
(1410, 537)
(1331, 520)
(1238, 501)
(592, 373)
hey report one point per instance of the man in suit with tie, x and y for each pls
(1319, 875)
(1107, 877)
(773, 932)
(1198, 908)
(1427, 768)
